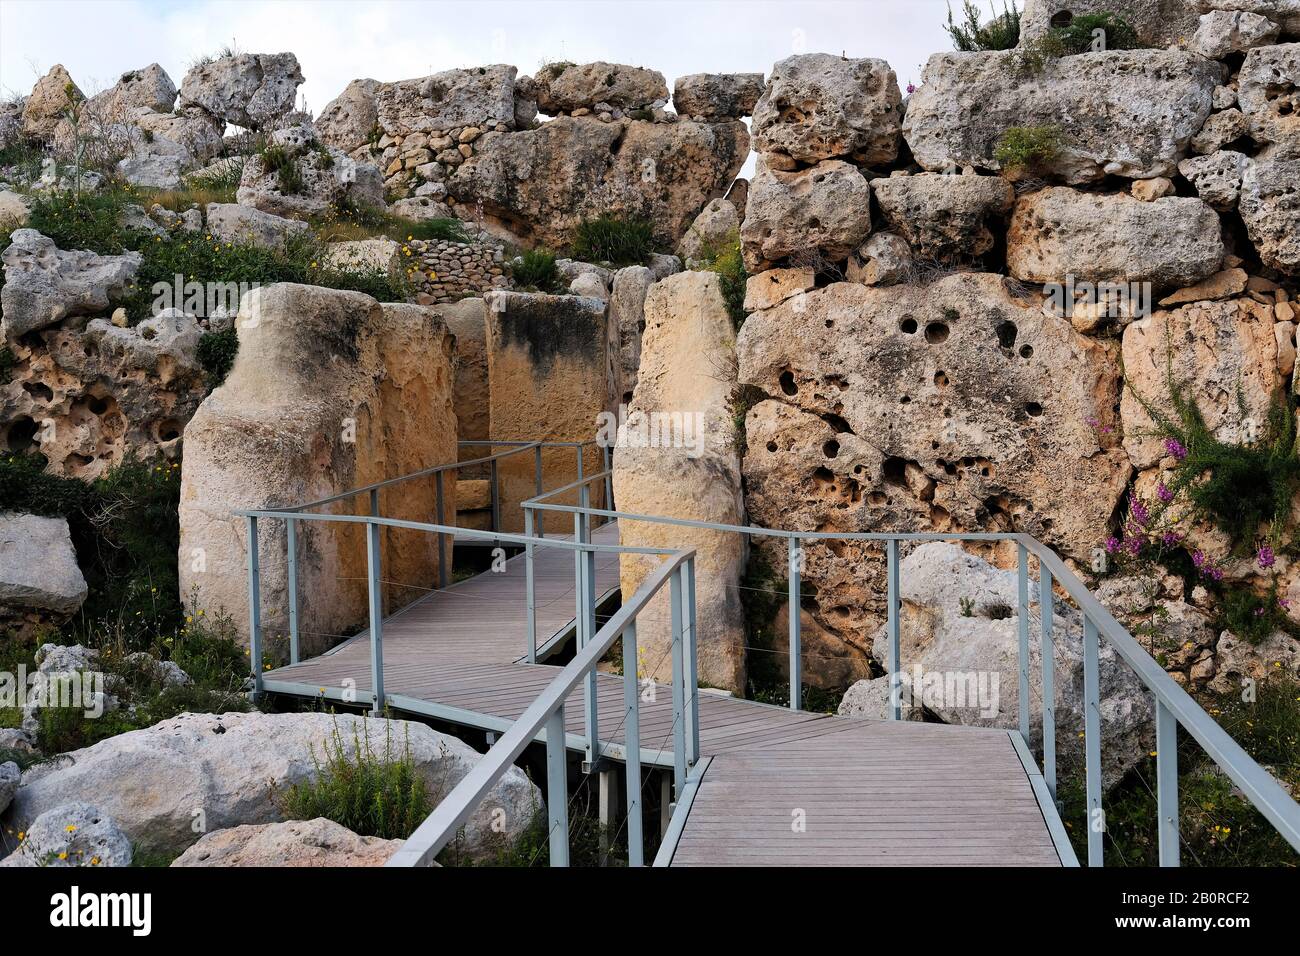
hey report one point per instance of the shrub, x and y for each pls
(1027, 147)
(623, 242)
(217, 351)
(726, 260)
(1001, 33)
(535, 270)
(370, 794)
(1080, 35)
(281, 161)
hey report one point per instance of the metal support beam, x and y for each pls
(1022, 628)
(792, 613)
(291, 548)
(440, 503)
(679, 688)
(254, 609)
(496, 496)
(892, 598)
(691, 650)
(608, 809)
(537, 482)
(376, 595)
(632, 746)
(1167, 783)
(557, 788)
(530, 588)
(1047, 650)
(1092, 742)
(665, 803)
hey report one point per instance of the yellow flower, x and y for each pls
(71, 828)
(63, 856)
(94, 861)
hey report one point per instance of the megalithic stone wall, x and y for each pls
(688, 373)
(330, 391)
(550, 377)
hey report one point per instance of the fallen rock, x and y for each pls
(716, 225)
(1221, 285)
(225, 770)
(871, 699)
(248, 89)
(944, 218)
(813, 216)
(1125, 113)
(1059, 232)
(72, 834)
(1217, 177)
(715, 96)
(50, 100)
(688, 346)
(1268, 91)
(44, 285)
(565, 87)
(39, 578)
(818, 106)
(884, 259)
(318, 842)
(1222, 32)
(1270, 207)
(1149, 190)
(775, 286)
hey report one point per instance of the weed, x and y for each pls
(535, 271)
(1027, 148)
(726, 260)
(1001, 33)
(623, 242)
(216, 354)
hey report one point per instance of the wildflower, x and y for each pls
(1175, 448)
(1139, 513)
(1164, 494)
(911, 88)
(1112, 544)
(1170, 538)
(71, 828)
(63, 855)
(1266, 557)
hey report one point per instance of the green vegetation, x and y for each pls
(1027, 148)
(623, 242)
(1001, 33)
(1081, 35)
(7, 362)
(371, 794)
(532, 847)
(217, 351)
(281, 161)
(535, 271)
(742, 399)
(726, 260)
(224, 180)
(355, 221)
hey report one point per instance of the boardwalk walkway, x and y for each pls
(780, 787)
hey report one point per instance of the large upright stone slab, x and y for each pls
(467, 320)
(687, 370)
(330, 391)
(550, 375)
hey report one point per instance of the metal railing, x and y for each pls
(1174, 707)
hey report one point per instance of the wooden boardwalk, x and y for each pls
(780, 788)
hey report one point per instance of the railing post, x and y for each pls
(444, 572)
(291, 547)
(792, 609)
(254, 609)
(496, 496)
(1092, 742)
(1022, 627)
(1047, 648)
(692, 666)
(632, 746)
(1167, 783)
(376, 616)
(679, 689)
(530, 587)
(893, 597)
(537, 481)
(585, 623)
(609, 479)
(557, 788)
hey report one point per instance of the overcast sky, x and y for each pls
(337, 41)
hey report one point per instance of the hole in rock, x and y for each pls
(21, 435)
(1033, 409)
(1026, 351)
(831, 449)
(787, 383)
(941, 378)
(1007, 334)
(936, 332)
(894, 470)
(39, 391)
(908, 325)
(771, 446)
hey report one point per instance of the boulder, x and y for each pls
(819, 106)
(565, 87)
(542, 183)
(1222, 32)
(951, 406)
(318, 842)
(44, 286)
(944, 218)
(1285, 13)
(716, 225)
(1217, 177)
(870, 698)
(9, 777)
(1157, 23)
(349, 121)
(199, 133)
(1268, 91)
(467, 320)
(307, 178)
(11, 122)
(1125, 113)
(1060, 232)
(51, 98)
(958, 623)
(421, 209)
(75, 833)
(38, 574)
(775, 286)
(1220, 130)
(252, 90)
(106, 120)
(1220, 353)
(686, 352)
(363, 255)
(230, 770)
(152, 171)
(1270, 207)
(884, 259)
(1149, 190)
(715, 96)
(329, 391)
(627, 317)
(14, 210)
(813, 216)
(1237, 661)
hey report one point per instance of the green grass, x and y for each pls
(217, 351)
(535, 271)
(1001, 33)
(1027, 147)
(282, 162)
(623, 242)
(1079, 37)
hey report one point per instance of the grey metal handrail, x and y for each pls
(1173, 705)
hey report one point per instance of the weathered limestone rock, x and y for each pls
(977, 654)
(871, 699)
(551, 375)
(1222, 32)
(884, 259)
(828, 663)
(1124, 113)
(364, 255)
(348, 121)
(819, 106)
(1149, 190)
(775, 286)
(152, 170)
(106, 120)
(330, 391)
(45, 286)
(688, 346)
(717, 223)
(1285, 13)
(1219, 351)
(814, 215)
(246, 225)
(11, 122)
(48, 103)
(248, 89)
(715, 96)
(467, 320)
(1220, 130)
(1059, 232)
(1157, 23)
(944, 407)
(226, 766)
(422, 208)
(318, 842)
(565, 87)
(944, 217)
(198, 132)
(1268, 90)
(1237, 660)
(325, 178)
(1221, 285)
(9, 776)
(74, 834)
(13, 210)
(1270, 206)
(1217, 177)
(40, 582)
(541, 183)
(627, 317)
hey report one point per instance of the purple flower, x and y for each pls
(1175, 448)
(1199, 559)
(1170, 538)
(1112, 544)
(1164, 494)
(1134, 546)
(1266, 557)
(1139, 512)
(911, 88)
(1259, 612)
(1283, 603)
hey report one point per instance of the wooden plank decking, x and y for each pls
(870, 792)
